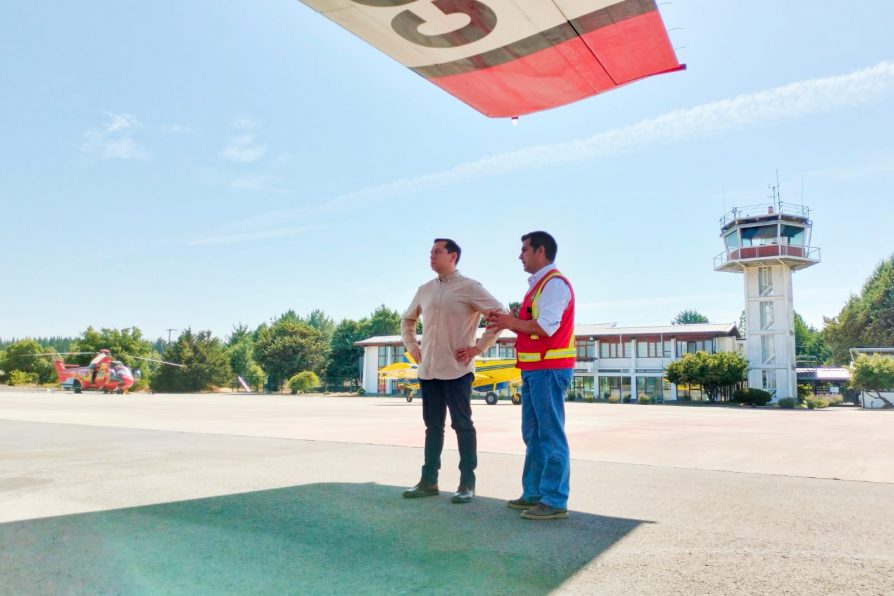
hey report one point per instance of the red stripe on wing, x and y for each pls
(598, 61)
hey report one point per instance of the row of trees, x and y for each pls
(274, 352)
(266, 356)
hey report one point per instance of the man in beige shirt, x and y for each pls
(451, 306)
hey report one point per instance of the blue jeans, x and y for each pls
(547, 470)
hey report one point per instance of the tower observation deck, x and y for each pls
(767, 235)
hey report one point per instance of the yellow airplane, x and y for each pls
(491, 375)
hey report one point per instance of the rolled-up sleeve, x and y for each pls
(484, 302)
(408, 324)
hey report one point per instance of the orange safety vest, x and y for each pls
(554, 351)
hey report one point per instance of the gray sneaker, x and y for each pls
(542, 511)
(464, 494)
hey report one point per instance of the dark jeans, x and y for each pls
(437, 397)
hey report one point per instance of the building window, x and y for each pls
(491, 352)
(760, 235)
(506, 350)
(768, 380)
(668, 349)
(615, 389)
(690, 393)
(768, 349)
(650, 387)
(691, 347)
(614, 349)
(383, 356)
(765, 280)
(581, 388)
(397, 353)
(648, 349)
(767, 314)
(586, 349)
(793, 235)
(732, 240)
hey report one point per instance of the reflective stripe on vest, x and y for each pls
(550, 355)
(535, 301)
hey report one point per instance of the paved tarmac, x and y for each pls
(227, 494)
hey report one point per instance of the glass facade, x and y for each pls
(759, 235)
(582, 387)
(793, 235)
(615, 388)
(653, 387)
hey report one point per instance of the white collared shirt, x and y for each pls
(554, 299)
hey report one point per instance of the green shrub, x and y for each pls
(644, 399)
(20, 377)
(614, 399)
(752, 397)
(787, 403)
(361, 391)
(304, 381)
(805, 390)
(814, 402)
(835, 400)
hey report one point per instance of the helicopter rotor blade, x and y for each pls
(159, 361)
(57, 354)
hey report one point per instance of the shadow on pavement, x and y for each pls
(318, 538)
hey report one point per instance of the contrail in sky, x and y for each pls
(755, 109)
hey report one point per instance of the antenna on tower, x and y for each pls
(778, 193)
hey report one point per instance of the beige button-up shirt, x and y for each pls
(450, 308)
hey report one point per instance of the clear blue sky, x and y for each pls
(174, 164)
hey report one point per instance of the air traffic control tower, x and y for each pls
(766, 243)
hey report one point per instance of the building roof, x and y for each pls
(597, 330)
(826, 373)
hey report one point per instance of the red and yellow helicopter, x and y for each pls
(103, 373)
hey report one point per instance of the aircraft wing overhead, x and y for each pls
(514, 57)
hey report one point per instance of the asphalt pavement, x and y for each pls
(227, 494)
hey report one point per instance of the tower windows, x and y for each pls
(768, 349)
(767, 314)
(765, 280)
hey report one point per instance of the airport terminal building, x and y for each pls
(612, 362)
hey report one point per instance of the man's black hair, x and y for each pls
(538, 239)
(451, 246)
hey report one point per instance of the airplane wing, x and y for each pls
(496, 372)
(398, 370)
(514, 57)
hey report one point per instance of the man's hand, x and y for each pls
(500, 320)
(465, 355)
(416, 354)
